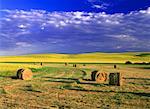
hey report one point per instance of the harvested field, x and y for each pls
(57, 86)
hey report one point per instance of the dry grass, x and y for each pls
(57, 86)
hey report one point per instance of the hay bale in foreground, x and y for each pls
(24, 74)
(115, 79)
(98, 76)
(101, 77)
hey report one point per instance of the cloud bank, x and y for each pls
(39, 31)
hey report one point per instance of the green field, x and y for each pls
(56, 86)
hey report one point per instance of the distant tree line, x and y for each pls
(139, 63)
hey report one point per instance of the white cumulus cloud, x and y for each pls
(49, 31)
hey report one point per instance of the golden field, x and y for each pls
(81, 58)
(56, 86)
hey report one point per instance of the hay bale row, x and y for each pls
(114, 78)
(24, 74)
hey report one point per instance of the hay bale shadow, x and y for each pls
(93, 74)
(11, 77)
(87, 80)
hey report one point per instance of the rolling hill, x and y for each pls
(96, 57)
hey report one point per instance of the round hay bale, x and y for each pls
(66, 64)
(115, 79)
(24, 74)
(115, 66)
(93, 74)
(75, 65)
(101, 77)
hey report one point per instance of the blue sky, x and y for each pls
(74, 26)
(109, 6)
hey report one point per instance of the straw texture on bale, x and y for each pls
(24, 74)
(98, 76)
(101, 77)
(115, 79)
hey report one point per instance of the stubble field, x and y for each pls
(56, 86)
